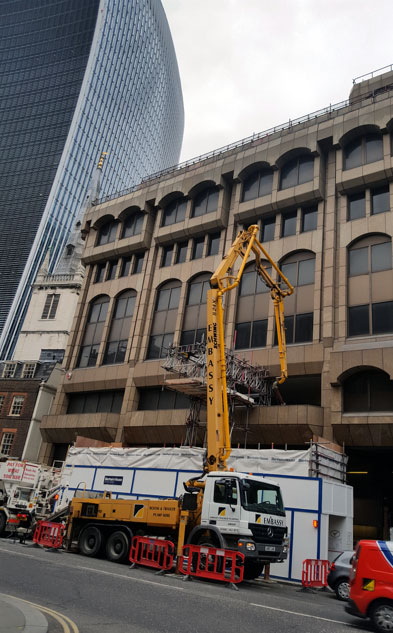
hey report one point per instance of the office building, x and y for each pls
(321, 191)
(77, 78)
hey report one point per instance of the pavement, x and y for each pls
(17, 616)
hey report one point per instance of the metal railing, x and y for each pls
(373, 73)
(328, 110)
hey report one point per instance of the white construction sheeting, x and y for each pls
(295, 463)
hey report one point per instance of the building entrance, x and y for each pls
(370, 473)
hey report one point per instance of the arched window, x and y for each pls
(257, 184)
(369, 390)
(194, 324)
(205, 202)
(363, 150)
(299, 269)
(93, 332)
(132, 224)
(252, 311)
(370, 295)
(69, 250)
(119, 332)
(297, 172)
(174, 212)
(107, 232)
(164, 320)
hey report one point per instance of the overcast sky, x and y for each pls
(247, 65)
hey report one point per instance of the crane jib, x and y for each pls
(224, 279)
(216, 396)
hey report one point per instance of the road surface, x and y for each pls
(102, 597)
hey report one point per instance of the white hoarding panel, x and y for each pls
(340, 535)
(304, 542)
(323, 537)
(183, 476)
(114, 479)
(337, 499)
(281, 570)
(81, 476)
(299, 493)
(154, 483)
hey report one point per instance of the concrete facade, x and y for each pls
(330, 177)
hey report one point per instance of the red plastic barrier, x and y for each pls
(152, 552)
(48, 534)
(211, 562)
(314, 573)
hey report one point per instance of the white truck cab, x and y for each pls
(249, 512)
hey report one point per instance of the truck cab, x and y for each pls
(248, 512)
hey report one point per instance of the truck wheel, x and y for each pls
(118, 547)
(90, 541)
(3, 523)
(382, 616)
(342, 589)
(205, 541)
(252, 569)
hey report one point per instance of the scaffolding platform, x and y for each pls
(196, 388)
(248, 385)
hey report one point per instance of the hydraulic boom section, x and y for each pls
(223, 280)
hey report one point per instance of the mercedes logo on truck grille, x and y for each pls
(269, 532)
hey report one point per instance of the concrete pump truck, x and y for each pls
(220, 508)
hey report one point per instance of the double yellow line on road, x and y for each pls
(68, 625)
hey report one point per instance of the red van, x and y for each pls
(371, 583)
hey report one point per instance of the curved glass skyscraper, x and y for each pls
(77, 77)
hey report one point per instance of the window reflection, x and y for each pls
(297, 172)
(205, 202)
(370, 300)
(164, 320)
(361, 151)
(257, 184)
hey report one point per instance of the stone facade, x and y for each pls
(52, 306)
(41, 345)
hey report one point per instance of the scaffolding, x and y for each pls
(247, 385)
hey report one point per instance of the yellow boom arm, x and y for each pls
(218, 440)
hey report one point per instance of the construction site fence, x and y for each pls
(213, 563)
(314, 572)
(152, 552)
(48, 534)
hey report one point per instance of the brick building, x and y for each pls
(20, 386)
(321, 190)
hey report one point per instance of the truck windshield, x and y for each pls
(259, 496)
